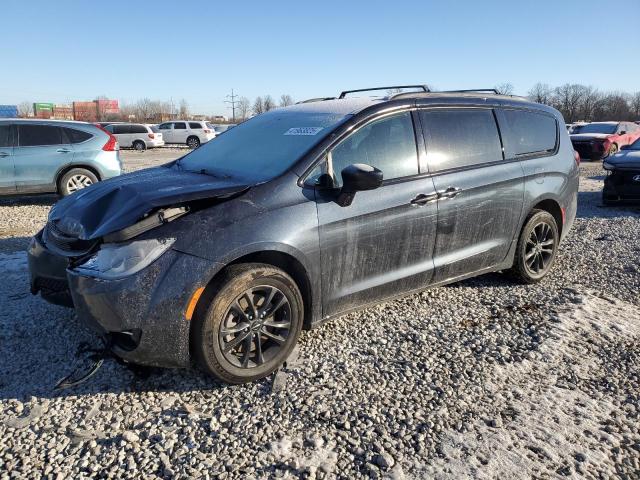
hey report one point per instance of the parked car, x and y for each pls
(304, 213)
(190, 133)
(598, 140)
(39, 156)
(622, 183)
(135, 135)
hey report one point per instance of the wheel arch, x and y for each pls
(285, 261)
(552, 207)
(64, 170)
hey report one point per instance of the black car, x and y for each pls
(622, 183)
(304, 213)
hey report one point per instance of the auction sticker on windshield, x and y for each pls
(303, 131)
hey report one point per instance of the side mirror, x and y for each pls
(355, 178)
(625, 147)
(622, 132)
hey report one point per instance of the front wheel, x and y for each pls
(249, 323)
(537, 247)
(613, 149)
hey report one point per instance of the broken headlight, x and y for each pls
(118, 260)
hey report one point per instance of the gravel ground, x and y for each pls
(484, 378)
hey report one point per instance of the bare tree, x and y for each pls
(504, 89)
(286, 100)
(635, 105)
(541, 93)
(268, 103)
(591, 97)
(25, 109)
(184, 109)
(567, 99)
(144, 109)
(258, 106)
(244, 107)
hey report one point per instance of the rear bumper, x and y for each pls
(154, 143)
(590, 151)
(143, 315)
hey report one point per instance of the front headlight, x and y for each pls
(119, 260)
(607, 166)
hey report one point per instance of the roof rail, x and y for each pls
(473, 90)
(319, 99)
(344, 94)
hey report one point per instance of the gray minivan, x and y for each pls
(42, 156)
(303, 213)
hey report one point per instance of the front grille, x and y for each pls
(65, 244)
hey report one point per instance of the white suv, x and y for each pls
(135, 135)
(190, 133)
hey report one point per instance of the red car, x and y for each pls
(598, 140)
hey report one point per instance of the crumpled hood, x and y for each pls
(625, 159)
(114, 204)
(589, 136)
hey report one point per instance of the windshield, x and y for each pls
(607, 128)
(263, 147)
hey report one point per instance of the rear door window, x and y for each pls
(76, 136)
(39, 135)
(179, 126)
(460, 138)
(194, 125)
(388, 144)
(6, 136)
(529, 133)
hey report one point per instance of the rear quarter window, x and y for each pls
(76, 136)
(529, 133)
(194, 125)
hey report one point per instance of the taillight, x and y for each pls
(576, 155)
(152, 136)
(112, 143)
(207, 131)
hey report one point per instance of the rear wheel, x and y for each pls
(193, 142)
(76, 179)
(249, 323)
(139, 145)
(537, 247)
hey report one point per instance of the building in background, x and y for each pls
(8, 111)
(43, 110)
(62, 112)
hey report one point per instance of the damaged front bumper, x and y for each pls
(142, 315)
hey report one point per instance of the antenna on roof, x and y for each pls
(424, 88)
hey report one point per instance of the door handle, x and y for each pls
(449, 192)
(63, 150)
(423, 199)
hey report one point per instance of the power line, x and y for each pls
(232, 102)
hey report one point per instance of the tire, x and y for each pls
(76, 179)
(613, 149)
(534, 254)
(139, 145)
(193, 142)
(254, 346)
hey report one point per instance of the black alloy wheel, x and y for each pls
(537, 247)
(247, 322)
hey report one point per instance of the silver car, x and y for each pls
(38, 156)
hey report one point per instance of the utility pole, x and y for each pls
(232, 102)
